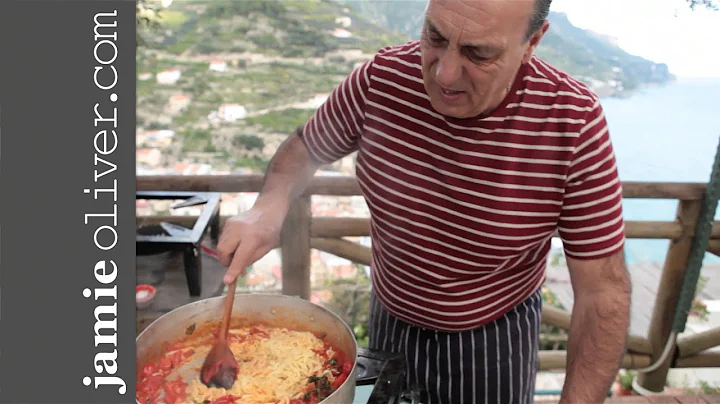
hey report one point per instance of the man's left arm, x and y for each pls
(592, 229)
(598, 329)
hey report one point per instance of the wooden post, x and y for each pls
(295, 249)
(668, 295)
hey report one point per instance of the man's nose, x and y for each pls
(449, 68)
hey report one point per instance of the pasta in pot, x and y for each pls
(277, 366)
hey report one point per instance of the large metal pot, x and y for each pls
(269, 309)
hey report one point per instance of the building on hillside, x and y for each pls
(177, 103)
(170, 76)
(232, 112)
(218, 66)
(148, 157)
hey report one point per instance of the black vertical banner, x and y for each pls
(67, 216)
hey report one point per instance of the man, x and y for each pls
(471, 154)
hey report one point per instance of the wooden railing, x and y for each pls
(304, 232)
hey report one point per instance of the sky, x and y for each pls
(664, 31)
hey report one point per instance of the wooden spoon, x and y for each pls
(220, 368)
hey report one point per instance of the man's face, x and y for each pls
(472, 50)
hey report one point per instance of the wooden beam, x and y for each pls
(324, 226)
(701, 360)
(319, 185)
(295, 249)
(556, 360)
(668, 295)
(637, 344)
(337, 227)
(695, 343)
(688, 191)
(347, 185)
(714, 246)
(343, 249)
(555, 317)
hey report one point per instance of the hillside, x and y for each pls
(232, 78)
(227, 80)
(592, 57)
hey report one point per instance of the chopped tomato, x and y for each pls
(257, 331)
(347, 367)
(165, 363)
(173, 360)
(153, 382)
(174, 347)
(147, 397)
(149, 369)
(187, 354)
(339, 381)
(236, 339)
(297, 401)
(229, 399)
(175, 391)
(149, 389)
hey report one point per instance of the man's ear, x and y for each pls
(534, 41)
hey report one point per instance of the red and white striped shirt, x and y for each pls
(463, 210)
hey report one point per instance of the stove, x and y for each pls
(164, 237)
(387, 373)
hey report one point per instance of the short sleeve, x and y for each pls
(334, 130)
(591, 223)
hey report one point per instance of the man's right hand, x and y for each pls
(248, 237)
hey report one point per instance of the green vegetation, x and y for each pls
(249, 142)
(285, 121)
(552, 338)
(351, 302)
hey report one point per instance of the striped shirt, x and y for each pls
(463, 210)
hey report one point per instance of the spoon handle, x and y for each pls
(229, 300)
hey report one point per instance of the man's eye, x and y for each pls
(436, 39)
(476, 58)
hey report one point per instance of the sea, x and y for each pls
(667, 133)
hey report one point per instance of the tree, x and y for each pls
(143, 21)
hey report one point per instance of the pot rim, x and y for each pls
(240, 294)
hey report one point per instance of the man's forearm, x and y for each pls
(288, 174)
(596, 343)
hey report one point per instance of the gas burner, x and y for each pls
(164, 237)
(387, 372)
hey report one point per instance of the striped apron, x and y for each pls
(496, 363)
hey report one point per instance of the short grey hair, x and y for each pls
(538, 17)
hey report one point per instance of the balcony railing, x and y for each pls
(304, 232)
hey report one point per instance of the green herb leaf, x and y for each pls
(190, 329)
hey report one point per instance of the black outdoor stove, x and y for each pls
(164, 237)
(387, 372)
